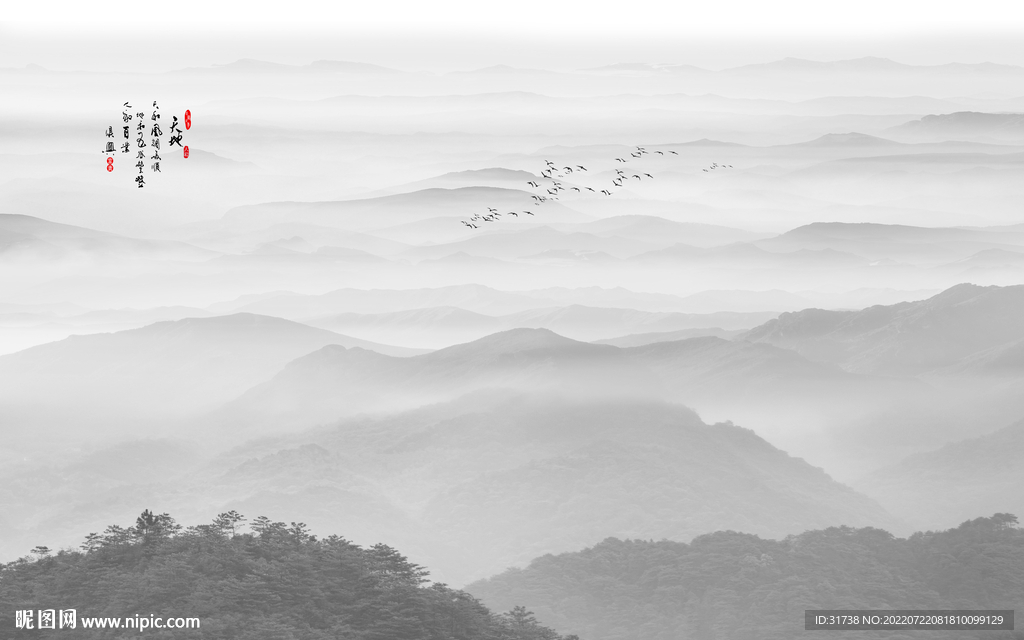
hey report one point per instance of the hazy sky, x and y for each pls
(465, 34)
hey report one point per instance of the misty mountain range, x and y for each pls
(485, 315)
(299, 377)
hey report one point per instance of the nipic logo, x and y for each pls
(45, 619)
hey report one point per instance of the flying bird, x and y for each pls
(673, 152)
(581, 167)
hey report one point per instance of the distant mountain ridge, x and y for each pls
(334, 381)
(907, 338)
(970, 475)
(712, 587)
(162, 371)
(24, 237)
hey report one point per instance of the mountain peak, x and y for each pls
(851, 139)
(515, 340)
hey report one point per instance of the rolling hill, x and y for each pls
(166, 370)
(735, 585)
(907, 338)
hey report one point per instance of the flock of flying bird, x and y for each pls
(552, 172)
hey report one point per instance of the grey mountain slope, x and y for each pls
(516, 244)
(750, 255)
(852, 139)
(907, 338)
(471, 297)
(335, 381)
(387, 211)
(28, 237)
(646, 470)
(641, 339)
(709, 372)
(175, 367)
(594, 323)
(965, 125)
(489, 177)
(473, 486)
(662, 231)
(920, 245)
(945, 486)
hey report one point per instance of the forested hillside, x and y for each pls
(734, 585)
(277, 582)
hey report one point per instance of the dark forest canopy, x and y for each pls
(735, 585)
(273, 582)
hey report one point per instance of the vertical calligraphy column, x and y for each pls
(155, 134)
(140, 127)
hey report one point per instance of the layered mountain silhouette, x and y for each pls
(709, 588)
(29, 238)
(442, 326)
(893, 242)
(335, 381)
(387, 211)
(937, 488)
(907, 338)
(478, 484)
(965, 125)
(158, 373)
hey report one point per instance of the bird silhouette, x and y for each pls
(673, 152)
(581, 167)
(529, 213)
